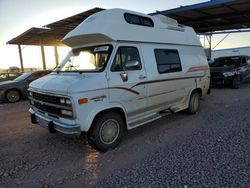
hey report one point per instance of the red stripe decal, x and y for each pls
(198, 68)
(127, 89)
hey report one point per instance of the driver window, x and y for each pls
(33, 77)
(123, 55)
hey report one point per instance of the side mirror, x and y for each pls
(131, 65)
(124, 76)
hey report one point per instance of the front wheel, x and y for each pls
(13, 96)
(194, 103)
(106, 131)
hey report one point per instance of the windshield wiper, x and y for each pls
(72, 66)
(69, 69)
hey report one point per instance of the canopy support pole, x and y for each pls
(20, 57)
(43, 57)
(210, 46)
(56, 55)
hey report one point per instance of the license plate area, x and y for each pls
(42, 122)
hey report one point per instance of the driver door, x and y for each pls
(127, 92)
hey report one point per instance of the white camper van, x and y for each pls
(125, 69)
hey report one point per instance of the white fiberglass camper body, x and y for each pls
(125, 69)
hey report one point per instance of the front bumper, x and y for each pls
(52, 125)
(2, 95)
(220, 80)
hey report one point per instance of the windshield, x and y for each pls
(89, 59)
(23, 76)
(226, 61)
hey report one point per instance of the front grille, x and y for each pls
(50, 104)
(216, 74)
(46, 108)
(46, 98)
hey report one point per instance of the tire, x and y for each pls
(236, 82)
(13, 96)
(194, 103)
(106, 131)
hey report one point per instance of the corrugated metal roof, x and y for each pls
(215, 15)
(51, 34)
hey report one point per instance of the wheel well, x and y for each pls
(21, 95)
(197, 90)
(116, 110)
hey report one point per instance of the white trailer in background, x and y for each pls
(242, 51)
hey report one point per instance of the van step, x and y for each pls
(145, 120)
(165, 112)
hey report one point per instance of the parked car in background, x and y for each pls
(14, 90)
(231, 70)
(4, 76)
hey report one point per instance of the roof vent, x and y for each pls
(167, 20)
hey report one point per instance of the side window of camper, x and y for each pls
(123, 55)
(167, 61)
(138, 20)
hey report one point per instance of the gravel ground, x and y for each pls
(209, 149)
(216, 154)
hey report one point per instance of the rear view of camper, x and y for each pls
(125, 69)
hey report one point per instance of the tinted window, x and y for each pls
(227, 61)
(138, 20)
(23, 76)
(167, 61)
(123, 55)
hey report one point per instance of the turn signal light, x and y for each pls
(83, 101)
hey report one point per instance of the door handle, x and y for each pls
(142, 77)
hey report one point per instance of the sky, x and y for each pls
(17, 16)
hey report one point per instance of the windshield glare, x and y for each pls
(89, 59)
(226, 61)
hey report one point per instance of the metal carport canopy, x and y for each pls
(215, 15)
(51, 34)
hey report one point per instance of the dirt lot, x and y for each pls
(209, 149)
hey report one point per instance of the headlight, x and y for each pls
(62, 100)
(227, 74)
(67, 113)
(65, 101)
(30, 94)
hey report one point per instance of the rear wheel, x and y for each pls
(13, 96)
(106, 131)
(236, 82)
(194, 103)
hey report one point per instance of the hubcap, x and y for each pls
(13, 96)
(109, 131)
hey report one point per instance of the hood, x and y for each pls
(66, 82)
(9, 83)
(223, 69)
